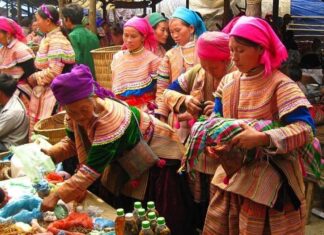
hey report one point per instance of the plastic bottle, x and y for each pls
(141, 217)
(151, 208)
(120, 222)
(137, 206)
(146, 228)
(152, 218)
(130, 225)
(161, 228)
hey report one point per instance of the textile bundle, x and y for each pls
(218, 130)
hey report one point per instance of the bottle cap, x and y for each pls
(151, 215)
(129, 215)
(161, 220)
(145, 224)
(150, 205)
(141, 212)
(137, 205)
(120, 212)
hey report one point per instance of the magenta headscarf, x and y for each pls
(144, 27)
(213, 46)
(259, 31)
(10, 26)
(77, 85)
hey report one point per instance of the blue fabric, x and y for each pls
(191, 18)
(23, 209)
(141, 91)
(101, 223)
(175, 86)
(218, 108)
(299, 114)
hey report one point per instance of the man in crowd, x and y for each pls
(14, 123)
(82, 39)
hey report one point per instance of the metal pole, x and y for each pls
(187, 3)
(275, 11)
(19, 16)
(92, 16)
(60, 5)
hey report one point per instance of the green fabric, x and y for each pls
(70, 134)
(156, 18)
(100, 156)
(83, 41)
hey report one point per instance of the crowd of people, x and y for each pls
(132, 142)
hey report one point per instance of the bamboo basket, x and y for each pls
(102, 58)
(320, 134)
(52, 127)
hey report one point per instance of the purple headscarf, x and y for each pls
(76, 85)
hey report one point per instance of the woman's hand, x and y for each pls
(193, 105)
(32, 81)
(250, 138)
(50, 202)
(209, 107)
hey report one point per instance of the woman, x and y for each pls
(134, 68)
(161, 30)
(185, 26)
(35, 37)
(193, 92)
(55, 56)
(16, 58)
(267, 194)
(100, 130)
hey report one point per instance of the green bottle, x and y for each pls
(141, 217)
(120, 222)
(151, 208)
(146, 228)
(152, 218)
(137, 206)
(162, 228)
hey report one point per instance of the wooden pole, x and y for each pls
(61, 5)
(92, 16)
(275, 11)
(253, 8)
(19, 16)
(227, 12)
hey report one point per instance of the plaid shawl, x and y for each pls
(218, 130)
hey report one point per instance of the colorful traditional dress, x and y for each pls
(55, 56)
(17, 60)
(160, 52)
(266, 195)
(114, 131)
(175, 62)
(133, 77)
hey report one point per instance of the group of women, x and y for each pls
(156, 98)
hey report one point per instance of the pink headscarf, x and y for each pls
(260, 32)
(10, 26)
(144, 27)
(213, 46)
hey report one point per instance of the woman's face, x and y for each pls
(43, 24)
(180, 32)
(244, 57)
(132, 38)
(216, 68)
(162, 32)
(81, 111)
(3, 38)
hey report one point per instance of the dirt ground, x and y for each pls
(315, 226)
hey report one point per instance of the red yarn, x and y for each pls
(134, 183)
(226, 180)
(161, 163)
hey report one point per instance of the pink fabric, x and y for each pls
(144, 27)
(260, 32)
(213, 46)
(10, 26)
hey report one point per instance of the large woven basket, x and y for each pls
(51, 127)
(102, 58)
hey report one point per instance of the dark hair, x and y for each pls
(8, 84)
(117, 29)
(156, 25)
(74, 12)
(52, 10)
(246, 42)
(294, 72)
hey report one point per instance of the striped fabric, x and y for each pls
(55, 51)
(160, 52)
(16, 52)
(133, 72)
(228, 213)
(175, 62)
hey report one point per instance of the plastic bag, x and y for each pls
(34, 162)
(101, 223)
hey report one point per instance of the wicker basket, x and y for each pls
(102, 58)
(51, 127)
(320, 134)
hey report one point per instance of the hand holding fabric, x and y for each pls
(50, 202)
(250, 138)
(193, 105)
(209, 108)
